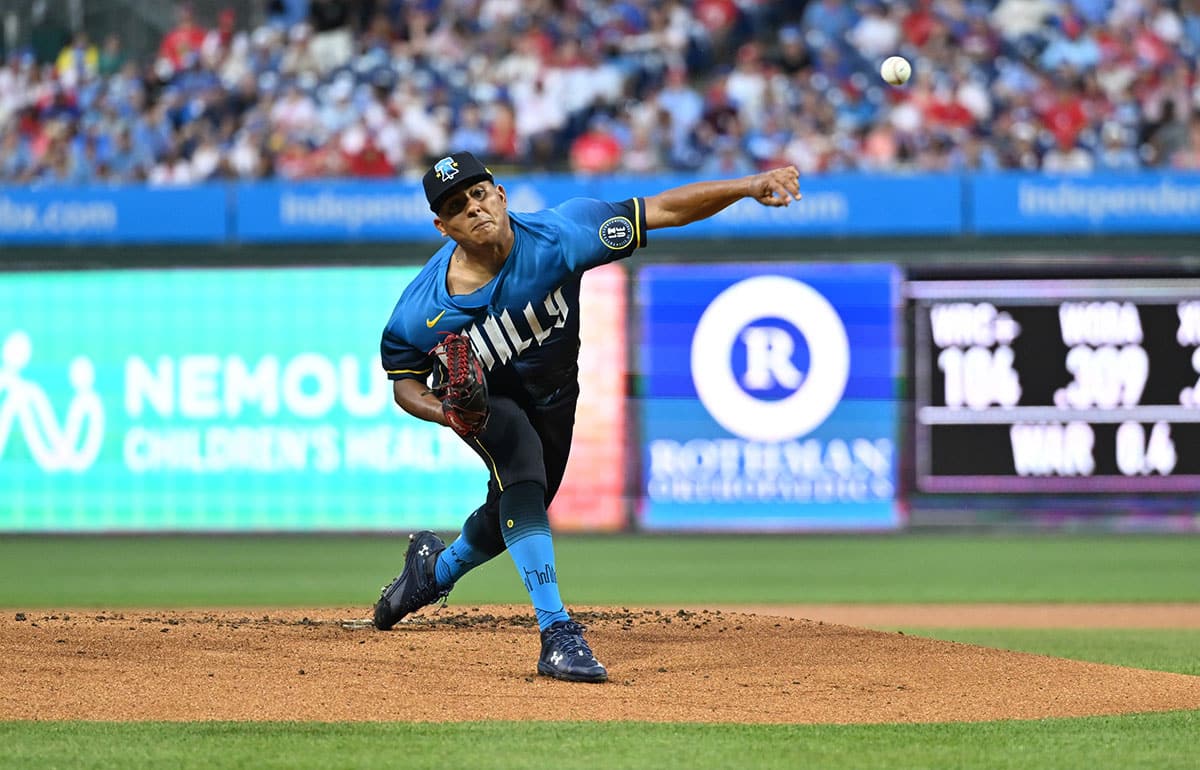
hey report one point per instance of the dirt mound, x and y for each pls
(990, 615)
(479, 663)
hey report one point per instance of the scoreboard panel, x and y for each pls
(1056, 386)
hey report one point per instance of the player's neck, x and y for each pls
(470, 270)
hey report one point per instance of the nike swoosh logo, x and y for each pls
(432, 322)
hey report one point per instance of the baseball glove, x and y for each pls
(460, 385)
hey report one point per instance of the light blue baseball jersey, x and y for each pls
(524, 323)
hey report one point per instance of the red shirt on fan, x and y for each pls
(185, 39)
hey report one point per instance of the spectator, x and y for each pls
(792, 56)
(831, 19)
(172, 170)
(719, 19)
(881, 148)
(662, 45)
(972, 153)
(207, 161)
(338, 111)
(540, 116)
(15, 156)
(1067, 157)
(726, 158)
(1170, 137)
(362, 156)
(1064, 113)
(78, 62)
(183, 43)
(503, 141)
(296, 113)
(127, 161)
(597, 151)
(1071, 46)
(642, 156)
(746, 85)
(1187, 157)
(1032, 84)
(112, 58)
(221, 38)
(1022, 21)
(1190, 22)
(919, 23)
(1116, 152)
(471, 134)
(876, 34)
(246, 160)
(332, 40)
(684, 106)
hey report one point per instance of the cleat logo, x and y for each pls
(424, 551)
(556, 658)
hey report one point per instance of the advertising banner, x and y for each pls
(1097, 203)
(592, 495)
(332, 210)
(125, 214)
(219, 400)
(366, 211)
(833, 205)
(769, 397)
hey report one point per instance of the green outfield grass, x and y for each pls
(1151, 741)
(1175, 650)
(40, 572)
(339, 571)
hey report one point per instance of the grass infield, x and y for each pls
(204, 571)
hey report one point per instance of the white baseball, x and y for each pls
(896, 70)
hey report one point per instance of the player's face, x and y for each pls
(476, 215)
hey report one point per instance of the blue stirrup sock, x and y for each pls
(459, 558)
(526, 530)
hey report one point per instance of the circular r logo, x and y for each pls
(815, 396)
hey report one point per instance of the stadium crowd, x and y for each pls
(378, 88)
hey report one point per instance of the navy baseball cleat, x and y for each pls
(416, 586)
(565, 655)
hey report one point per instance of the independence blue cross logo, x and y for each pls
(446, 169)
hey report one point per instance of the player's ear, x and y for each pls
(501, 192)
(441, 228)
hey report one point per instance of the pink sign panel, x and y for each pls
(591, 496)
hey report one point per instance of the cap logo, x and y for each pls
(446, 169)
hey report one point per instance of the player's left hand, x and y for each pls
(461, 385)
(777, 187)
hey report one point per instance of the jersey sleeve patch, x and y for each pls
(617, 233)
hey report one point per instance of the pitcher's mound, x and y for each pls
(479, 663)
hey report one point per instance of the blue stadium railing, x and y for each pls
(851, 205)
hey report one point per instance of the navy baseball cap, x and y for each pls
(451, 173)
